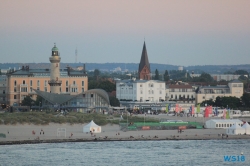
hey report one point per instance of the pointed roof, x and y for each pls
(144, 58)
(246, 126)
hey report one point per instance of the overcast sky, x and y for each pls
(187, 32)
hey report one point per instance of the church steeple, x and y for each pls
(144, 66)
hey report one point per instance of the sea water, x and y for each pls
(127, 153)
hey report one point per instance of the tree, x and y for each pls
(241, 72)
(166, 76)
(96, 73)
(246, 99)
(218, 101)
(27, 101)
(114, 101)
(205, 77)
(105, 85)
(157, 77)
(38, 100)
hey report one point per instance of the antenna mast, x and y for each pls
(76, 55)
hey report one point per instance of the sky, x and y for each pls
(184, 33)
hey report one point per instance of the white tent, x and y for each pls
(92, 127)
(246, 126)
(222, 123)
(235, 130)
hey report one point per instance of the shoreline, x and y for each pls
(20, 142)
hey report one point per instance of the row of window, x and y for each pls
(225, 125)
(25, 89)
(45, 83)
(181, 97)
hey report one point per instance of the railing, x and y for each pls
(55, 81)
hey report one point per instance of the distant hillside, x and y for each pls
(212, 69)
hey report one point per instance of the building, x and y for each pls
(22, 82)
(220, 77)
(181, 93)
(144, 66)
(234, 89)
(59, 88)
(140, 90)
(3, 90)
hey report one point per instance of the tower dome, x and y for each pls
(54, 50)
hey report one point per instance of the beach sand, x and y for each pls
(22, 133)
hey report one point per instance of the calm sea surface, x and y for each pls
(127, 153)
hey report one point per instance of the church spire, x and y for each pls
(144, 66)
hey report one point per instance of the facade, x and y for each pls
(220, 77)
(181, 93)
(234, 89)
(23, 82)
(3, 90)
(140, 90)
(222, 123)
(144, 66)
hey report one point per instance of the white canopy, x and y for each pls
(92, 127)
(246, 126)
(235, 130)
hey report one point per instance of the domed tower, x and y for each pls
(55, 82)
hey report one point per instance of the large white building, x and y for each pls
(140, 90)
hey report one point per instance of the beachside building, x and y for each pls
(58, 87)
(140, 90)
(181, 93)
(234, 89)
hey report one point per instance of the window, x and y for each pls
(60, 89)
(74, 82)
(30, 82)
(15, 83)
(160, 91)
(45, 83)
(3, 91)
(227, 125)
(14, 89)
(38, 88)
(219, 125)
(140, 85)
(14, 96)
(30, 89)
(216, 125)
(92, 95)
(141, 92)
(82, 89)
(24, 89)
(38, 83)
(67, 83)
(171, 96)
(152, 91)
(67, 89)
(45, 89)
(82, 83)
(83, 95)
(23, 81)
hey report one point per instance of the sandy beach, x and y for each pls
(23, 133)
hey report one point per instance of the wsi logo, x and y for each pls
(240, 158)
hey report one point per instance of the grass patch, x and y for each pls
(44, 118)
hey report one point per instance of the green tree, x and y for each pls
(218, 101)
(205, 77)
(96, 73)
(114, 101)
(246, 99)
(38, 100)
(157, 76)
(102, 84)
(166, 76)
(27, 101)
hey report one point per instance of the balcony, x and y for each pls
(54, 81)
